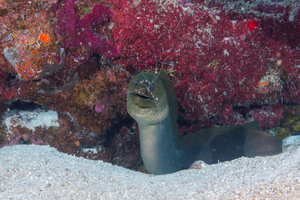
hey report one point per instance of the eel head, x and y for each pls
(146, 99)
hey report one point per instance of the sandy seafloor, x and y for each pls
(41, 172)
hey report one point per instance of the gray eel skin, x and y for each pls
(151, 101)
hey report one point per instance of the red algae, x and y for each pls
(220, 60)
(87, 34)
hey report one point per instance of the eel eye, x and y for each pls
(135, 84)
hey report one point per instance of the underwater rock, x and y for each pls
(51, 90)
(28, 40)
(11, 54)
(50, 69)
(198, 165)
(21, 126)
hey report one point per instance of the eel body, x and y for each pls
(151, 101)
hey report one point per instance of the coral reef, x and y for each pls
(86, 34)
(268, 116)
(40, 62)
(22, 136)
(230, 62)
(35, 35)
(289, 125)
(127, 148)
(27, 37)
(54, 90)
(106, 89)
(220, 58)
(120, 147)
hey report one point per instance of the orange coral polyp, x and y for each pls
(261, 84)
(44, 37)
(18, 67)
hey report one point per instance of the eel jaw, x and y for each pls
(145, 97)
(143, 101)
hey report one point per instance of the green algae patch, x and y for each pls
(296, 126)
(279, 132)
(291, 116)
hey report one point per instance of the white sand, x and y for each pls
(41, 172)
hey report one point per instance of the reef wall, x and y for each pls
(230, 63)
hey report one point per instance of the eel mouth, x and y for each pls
(143, 101)
(145, 97)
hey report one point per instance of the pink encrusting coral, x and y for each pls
(99, 107)
(218, 58)
(19, 134)
(87, 34)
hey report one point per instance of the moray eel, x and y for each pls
(151, 101)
